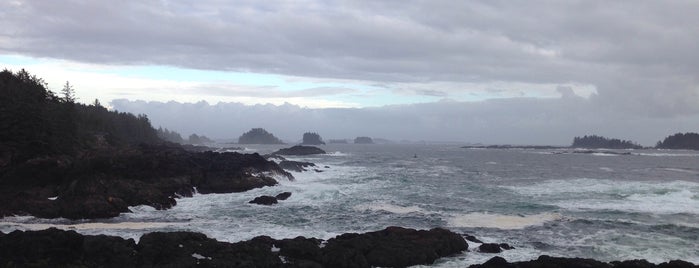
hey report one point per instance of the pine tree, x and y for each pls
(68, 93)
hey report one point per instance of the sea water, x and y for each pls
(607, 206)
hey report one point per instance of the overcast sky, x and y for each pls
(476, 71)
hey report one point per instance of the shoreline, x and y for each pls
(390, 247)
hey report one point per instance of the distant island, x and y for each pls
(687, 140)
(173, 136)
(258, 136)
(312, 138)
(363, 140)
(595, 142)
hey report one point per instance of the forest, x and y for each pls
(594, 141)
(36, 121)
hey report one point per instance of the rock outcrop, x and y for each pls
(102, 184)
(264, 200)
(299, 150)
(391, 247)
(295, 165)
(556, 262)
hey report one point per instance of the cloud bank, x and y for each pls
(501, 121)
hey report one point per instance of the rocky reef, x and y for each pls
(102, 184)
(299, 150)
(557, 262)
(391, 247)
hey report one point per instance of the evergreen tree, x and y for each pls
(68, 93)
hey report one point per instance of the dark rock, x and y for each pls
(264, 200)
(104, 183)
(283, 196)
(295, 165)
(317, 170)
(677, 264)
(57, 248)
(300, 150)
(495, 262)
(472, 238)
(545, 261)
(506, 246)
(109, 251)
(393, 247)
(489, 248)
(300, 248)
(632, 264)
(187, 249)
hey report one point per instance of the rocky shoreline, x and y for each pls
(390, 247)
(103, 184)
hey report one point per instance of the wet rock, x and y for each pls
(392, 247)
(283, 196)
(300, 150)
(187, 249)
(300, 249)
(104, 183)
(471, 238)
(264, 200)
(489, 248)
(295, 165)
(506, 246)
(557, 262)
(57, 248)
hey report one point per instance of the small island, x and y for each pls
(312, 138)
(689, 141)
(363, 140)
(258, 136)
(595, 142)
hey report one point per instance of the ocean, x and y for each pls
(628, 204)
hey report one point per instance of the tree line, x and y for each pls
(35, 121)
(687, 140)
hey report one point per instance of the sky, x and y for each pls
(517, 72)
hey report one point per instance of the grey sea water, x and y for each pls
(642, 204)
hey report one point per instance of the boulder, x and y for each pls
(264, 200)
(188, 249)
(300, 150)
(490, 248)
(283, 196)
(391, 247)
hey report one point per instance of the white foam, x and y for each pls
(677, 201)
(608, 169)
(53, 198)
(388, 208)
(89, 225)
(337, 153)
(669, 154)
(681, 170)
(499, 221)
(630, 196)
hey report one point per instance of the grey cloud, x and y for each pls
(269, 91)
(631, 51)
